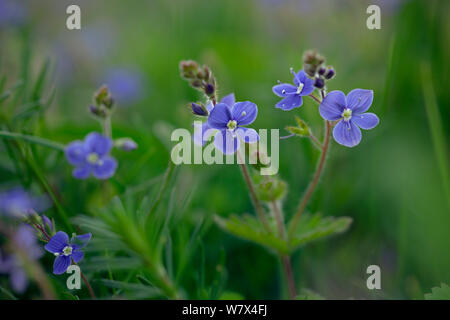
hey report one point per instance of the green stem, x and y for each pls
(312, 186)
(285, 258)
(32, 139)
(256, 203)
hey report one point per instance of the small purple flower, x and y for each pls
(91, 156)
(350, 113)
(12, 13)
(17, 203)
(13, 264)
(292, 95)
(202, 131)
(65, 250)
(230, 122)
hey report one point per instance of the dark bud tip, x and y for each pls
(319, 83)
(321, 71)
(195, 83)
(209, 89)
(199, 109)
(97, 111)
(330, 73)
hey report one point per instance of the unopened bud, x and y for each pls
(188, 69)
(209, 89)
(321, 71)
(319, 83)
(199, 109)
(97, 111)
(125, 144)
(330, 73)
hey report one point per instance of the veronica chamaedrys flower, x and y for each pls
(25, 240)
(230, 122)
(350, 111)
(65, 250)
(202, 132)
(292, 95)
(17, 203)
(91, 156)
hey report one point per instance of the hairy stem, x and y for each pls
(251, 188)
(313, 184)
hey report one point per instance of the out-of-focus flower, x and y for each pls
(91, 156)
(125, 144)
(230, 122)
(12, 13)
(24, 240)
(65, 250)
(202, 131)
(18, 203)
(292, 95)
(125, 85)
(350, 111)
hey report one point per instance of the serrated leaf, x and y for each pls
(249, 228)
(315, 227)
(439, 293)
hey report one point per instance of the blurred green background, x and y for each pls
(394, 184)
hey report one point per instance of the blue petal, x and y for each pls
(202, 133)
(219, 116)
(75, 153)
(308, 83)
(347, 133)
(81, 241)
(229, 100)
(77, 256)
(290, 102)
(57, 242)
(226, 142)
(333, 105)
(105, 169)
(247, 134)
(82, 172)
(366, 121)
(359, 100)
(284, 89)
(47, 222)
(244, 112)
(100, 144)
(61, 264)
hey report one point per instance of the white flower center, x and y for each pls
(232, 124)
(300, 88)
(92, 158)
(67, 251)
(347, 114)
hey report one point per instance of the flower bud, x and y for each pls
(125, 144)
(97, 111)
(199, 109)
(209, 89)
(319, 83)
(330, 73)
(188, 69)
(321, 71)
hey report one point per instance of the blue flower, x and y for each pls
(125, 85)
(350, 111)
(292, 95)
(202, 132)
(65, 250)
(17, 203)
(230, 122)
(25, 240)
(91, 156)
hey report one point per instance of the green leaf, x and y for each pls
(307, 294)
(315, 227)
(249, 228)
(229, 295)
(439, 293)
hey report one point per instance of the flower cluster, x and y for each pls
(349, 113)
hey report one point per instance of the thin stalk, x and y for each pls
(315, 98)
(251, 188)
(312, 186)
(86, 282)
(32, 139)
(163, 188)
(107, 130)
(285, 259)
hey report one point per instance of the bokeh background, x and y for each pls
(395, 184)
